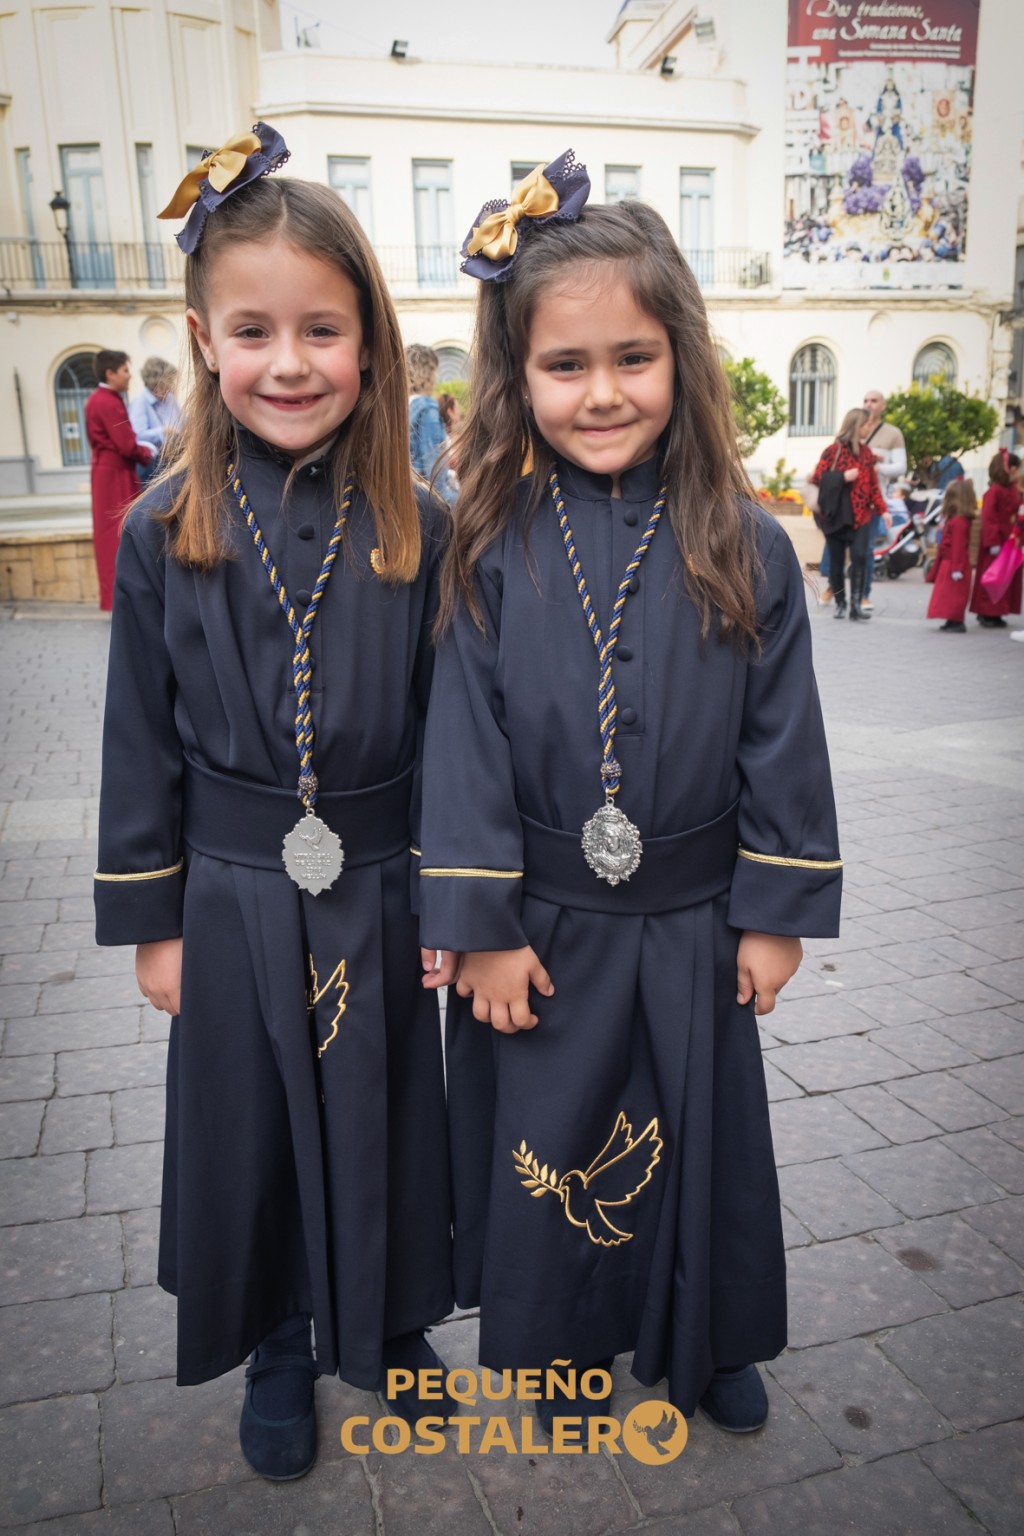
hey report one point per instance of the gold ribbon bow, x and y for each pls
(497, 237)
(221, 166)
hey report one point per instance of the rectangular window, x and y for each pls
(350, 178)
(90, 250)
(620, 182)
(24, 159)
(193, 154)
(520, 170)
(435, 223)
(147, 204)
(696, 233)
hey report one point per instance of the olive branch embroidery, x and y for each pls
(532, 1176)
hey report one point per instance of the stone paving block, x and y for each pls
(75, 1032)
(715, 1467)
(891, 898)
(856, 969)
(887, 1115)
(31, 1434)
(924, 1178)
(20, 1128)
(970, 912)
(77, 936)
(895, 1497)
(52, 965)
(152, 1519)
(24, 940)
(955, 993)
(951, 885)
(80, 909)
(145, 1333)
(990, 1034)
(44, 1260)
(110, 1067)
(847, 1062)
(925, 1048)
(25, 914)
(794, 1233)
(1005, 941)
(912, 923)
(965, 955)
(718, 1521)
(806, 983)
(858, 1398)
(814, 1018)
(1003, 1163)
(155, 1025)
(138, 1115)
(59, 885)
(334, 1499)
(946, 1100)
(125, 1178)
(18, 1000)
(890, 1005)
(806, 1129)
(1008, 977)
(778, 1085)
(78, 1125)
(53, 1348)
(101, 962)
(986, 1472)
(1003, 1222)
(1011, 1130)
(161, 1439)
(967, 1363)
(852, 1286)
(92, 992)
(918, 959)
(832, 1202)
(13, 890)
(957, 1262)
(1001, 1081)
(42, 1188)
(141, 1242)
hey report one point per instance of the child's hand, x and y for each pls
(158, 973)
(850, 475)
(764, 964)
(498, 981)
(957, 575)
(440, 967)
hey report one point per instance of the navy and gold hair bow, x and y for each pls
(551, 192)
(221, 173)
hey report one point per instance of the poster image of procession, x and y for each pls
(878, 142)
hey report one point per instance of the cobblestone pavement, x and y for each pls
(896, 1070)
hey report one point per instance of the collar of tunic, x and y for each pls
(641, 483)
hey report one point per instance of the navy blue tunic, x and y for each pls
(305, 1158)
(614, 1180)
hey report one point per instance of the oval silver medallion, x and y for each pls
(313, 855)
(611, 844)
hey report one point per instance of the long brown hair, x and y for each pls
(373, 444)
(849, 432)
(709, 495)
(960, 499)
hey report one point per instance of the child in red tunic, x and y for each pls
(115, 453)
(951, 572)
(999, 512)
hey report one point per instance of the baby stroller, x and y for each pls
(904, 545)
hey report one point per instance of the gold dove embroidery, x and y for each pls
(316, 992)
(616, 1176)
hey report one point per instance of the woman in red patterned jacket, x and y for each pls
(846, 507)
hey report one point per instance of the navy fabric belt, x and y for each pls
(677, 871)
(246, 823)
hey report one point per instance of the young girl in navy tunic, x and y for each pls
(628, 817)
(270, 663)
(951, 571)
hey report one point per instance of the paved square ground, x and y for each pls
(895, 1067)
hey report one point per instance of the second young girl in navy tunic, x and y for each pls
(626, 662)
(270, 663)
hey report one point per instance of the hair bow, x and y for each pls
(219, 174)
(555, 191)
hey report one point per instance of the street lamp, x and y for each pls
(61, 210)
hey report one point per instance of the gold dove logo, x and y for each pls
(316, 992)
(616, 1176)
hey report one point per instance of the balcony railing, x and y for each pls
(411, 271)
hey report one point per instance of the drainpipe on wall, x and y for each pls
(30, 468)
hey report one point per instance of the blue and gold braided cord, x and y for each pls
(611, 772)
(302, 660)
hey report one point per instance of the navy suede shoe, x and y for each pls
(411, 1352)
(577, 1407)
(283, 1447)
(736, 1400)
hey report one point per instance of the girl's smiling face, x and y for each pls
(599, 374)
(284, 336)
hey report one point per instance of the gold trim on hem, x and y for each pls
(484, 874)
(771, 858)
(149, 874)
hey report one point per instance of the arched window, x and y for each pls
(936, 360)
(75, 382)
(453, 363)
(812, 392)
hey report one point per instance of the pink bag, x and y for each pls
(997, 577)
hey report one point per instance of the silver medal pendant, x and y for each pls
(611, 844)
(313, 854)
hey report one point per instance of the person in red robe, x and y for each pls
(115, 453)
(951, 571)
(999, 522)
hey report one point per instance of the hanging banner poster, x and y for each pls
(879, 106)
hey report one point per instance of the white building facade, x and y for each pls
(765, 159)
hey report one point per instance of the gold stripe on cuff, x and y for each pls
(484, 874)
(149, 874)
(417, 853)
(771, 858)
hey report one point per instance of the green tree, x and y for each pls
(757, 405)
(936, 419)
